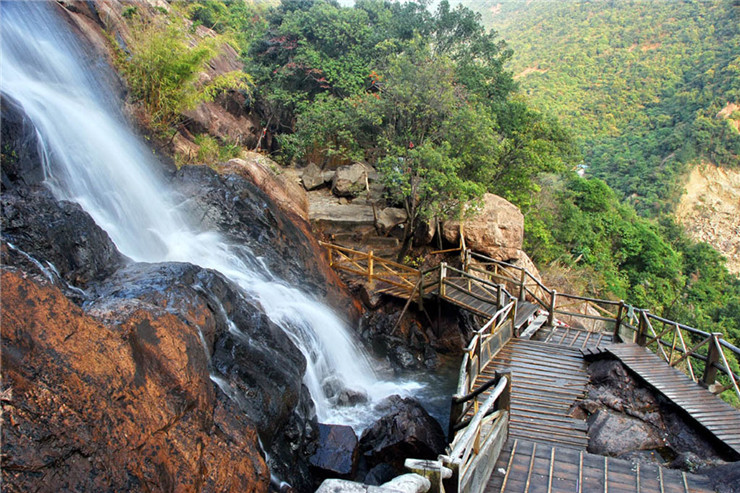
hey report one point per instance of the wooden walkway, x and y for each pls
(531, 467)
(546, 381)
(718, 417)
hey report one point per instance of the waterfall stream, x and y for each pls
(92, 157)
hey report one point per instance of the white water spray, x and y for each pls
(93, 158)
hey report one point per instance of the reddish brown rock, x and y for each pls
(283, 188)
(496, 230)
(128, 407)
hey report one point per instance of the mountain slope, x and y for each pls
(649, 88)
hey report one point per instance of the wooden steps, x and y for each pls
(715, 415)
(575, 338)
(527, 466)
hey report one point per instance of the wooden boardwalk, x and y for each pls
(718, 417)
(546, 381)
(532, 467)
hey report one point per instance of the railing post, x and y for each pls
(442, 275)
(710, 371)
(642, 327)
(618, 322)
(522, 291)
(553, 301)
(500, 298)
(370, 266)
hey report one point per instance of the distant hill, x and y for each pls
(649, 87)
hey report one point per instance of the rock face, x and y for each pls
(190, 311)
(350, 180)
(406, 430)
(337, 452)
(261, 171)
(245, 215)
(616, 434)
(20, 156)
(60, 233)
(313, 177)
(710, 210)
(497, 230)
(122, 407)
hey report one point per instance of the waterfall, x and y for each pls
(92, 157)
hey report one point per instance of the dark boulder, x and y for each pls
(406, 430)
(60, 233)
(725, 478)
(337, 453)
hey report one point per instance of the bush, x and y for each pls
(162, 69)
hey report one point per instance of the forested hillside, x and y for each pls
(648, 87)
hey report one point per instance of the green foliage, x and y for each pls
(641, 83)
(241, 21)
(580, 224)
(162, 69)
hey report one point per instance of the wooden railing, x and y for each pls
(705, 357)
(373, 268)
(473, 452)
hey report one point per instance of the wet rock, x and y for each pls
(120, 407)
(349, 180)
(246, 216)
(21, 163)
(406, 430)
(60, 233)
(349, 397)
(497, 230)
(257, 365)
(403, 358)
(313, 177)
(382, 473)
(616, 434)
(337, 453)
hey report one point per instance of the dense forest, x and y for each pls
(647, 87)
(426, 97)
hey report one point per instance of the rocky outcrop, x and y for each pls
(496, 229)
(60, 233)
(125, 406)
(20, 155)
(350, 180)
(244, 215)
(617, 434)
(281, 185)
(628, 420)
(405, 430)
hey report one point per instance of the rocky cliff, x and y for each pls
(710, 210)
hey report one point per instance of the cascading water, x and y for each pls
(93, 158)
